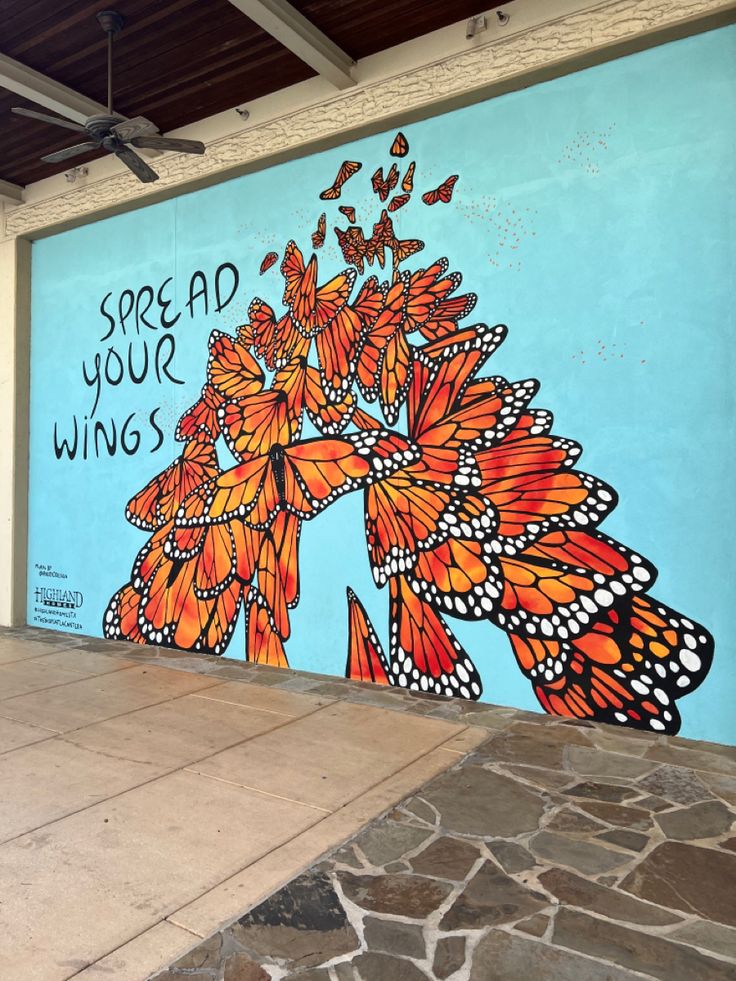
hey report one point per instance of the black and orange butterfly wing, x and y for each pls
(424, 653)
(533, 490)
(398, 202)
(628, 667)
(269, 259)
(394, 376)
(426, 289)
(402, 516)
(252, 425)
(231, 368)
(348, 211)
(400, 145)
(318, 237)
(460, 577)
(328, 417)
(442, 371)
(271, 587)
(337, 352)
(214, 567)
(444, 318)
(202, 416)
(120, 619)
(172, 614)
(262, 643)
(442, 193)
(347, 170)
(316, 472)
(264, 328)
(376, 338)
(557, 585)
(366, 660)
(407, 183)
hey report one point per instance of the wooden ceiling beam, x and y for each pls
(285, 23)
(44, 91)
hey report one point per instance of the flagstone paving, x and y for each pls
(549, 849)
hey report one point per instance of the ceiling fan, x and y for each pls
(110, 131)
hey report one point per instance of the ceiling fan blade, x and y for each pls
(137, 126)
(139, 167)
(70, 151)
(56, 120)
(164, 143)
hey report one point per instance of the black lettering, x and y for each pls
(124, 436)
(162, 368)
(110, 441)
(105, 314)
(140, 315)
(137, 379)
(95, 380)
(109, 378)
(221, 304)
(198, 276)
(129, 296)
(155, 426)
(66, 446)
(165, 304)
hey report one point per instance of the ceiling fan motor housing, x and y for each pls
(110, 21)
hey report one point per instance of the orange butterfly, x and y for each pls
(338, 346)
(160, 498)
(318, 237)
(407, 183)
(348, 211)
(554, 586)
(231, 368)
(443, 319)
(252, 425)
(384, 187)
(300, 385)
(202, 416)
(366, 660)
(441, 193)
(273, 340)
(120, 620)
(170, 612)
(262, 642)
(627, 668)
(346, 171)
(377, 336)
(405, 248)
(426, 289)
(353, 246)
(528, 480)
(302, 479)
(312, 307)
(400, 146)
(268, 260)
(424, 652)
(398, 202)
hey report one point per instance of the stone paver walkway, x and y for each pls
(553, 851)
(547, 849)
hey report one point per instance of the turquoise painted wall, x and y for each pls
(594, 215)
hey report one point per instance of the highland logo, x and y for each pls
(67, 599)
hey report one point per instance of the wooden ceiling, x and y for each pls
(178, 61)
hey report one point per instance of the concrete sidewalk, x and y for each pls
(143, 807)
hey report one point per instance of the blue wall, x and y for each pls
(594, 215)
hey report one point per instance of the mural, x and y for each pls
(358, 412)
(473, 508)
